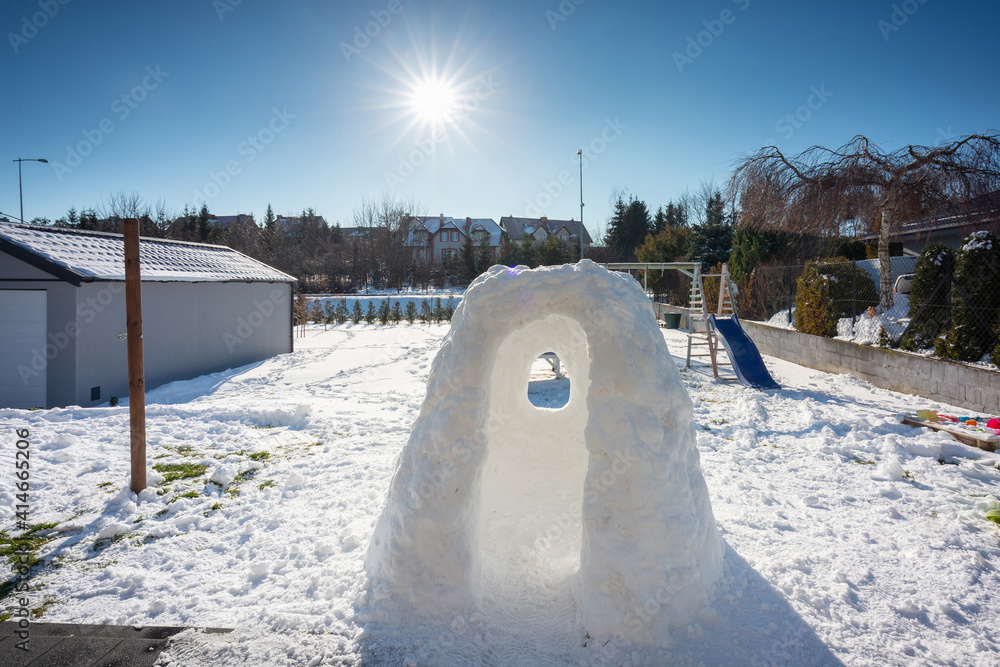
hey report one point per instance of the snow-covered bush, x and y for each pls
(933, 266)
(977, 271)
(813, 307)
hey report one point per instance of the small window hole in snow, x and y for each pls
(530, 527)
(548, 382)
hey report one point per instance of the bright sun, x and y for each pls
(432, 99)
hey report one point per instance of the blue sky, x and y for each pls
(245, 103)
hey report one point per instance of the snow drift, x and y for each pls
(596, 513)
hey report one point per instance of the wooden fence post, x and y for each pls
(136, 372)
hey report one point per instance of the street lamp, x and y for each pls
(20, 191)
(580, 153)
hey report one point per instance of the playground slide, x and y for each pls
(743, 353)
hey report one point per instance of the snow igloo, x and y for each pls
(595, 513)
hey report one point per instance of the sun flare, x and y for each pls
(432, 99)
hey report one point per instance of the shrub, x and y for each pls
(438, 310)
(396, 313)
(813, 306)
(356, 313)
(411, 312)
(449, 309)
(342, 313)
(426, 315)
(851, 290)
(317, 313)
(977, 270)
(370, 314)
(383, 312)
(935, 264)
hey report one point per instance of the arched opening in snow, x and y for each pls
(549, 382)
(530, 522)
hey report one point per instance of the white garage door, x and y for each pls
(22, 349)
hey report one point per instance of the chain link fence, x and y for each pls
(952, 310)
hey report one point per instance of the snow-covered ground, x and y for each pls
(849, 537)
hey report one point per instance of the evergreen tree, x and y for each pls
(370, 314)
(426, 314)
(411, 311)
(659, 221)
(396, 313)
(526, 253)
(711, 241)
(630, 223)
(468, 257)
(751, 248)
(484, 256)
(204, 232)
(356, 313)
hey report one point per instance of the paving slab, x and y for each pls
(85, 645)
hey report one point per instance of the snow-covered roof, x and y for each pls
(518, 228)
(436, 223)
(83, 256)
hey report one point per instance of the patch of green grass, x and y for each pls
(189, 494)
(264, 485)
(244, 476)
(260, 456)
(100, 545)
(233, 492)
(720, 422)
(104, 485)
(161, 512)
(29, 540)
(864, 462)
(952, 463)
(217, 506)
(907, 475)
(262, 428)
(174, 471)
(38, 611)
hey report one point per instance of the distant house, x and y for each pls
(205, 308)
(227, 221)
(432, 239)
(293, 224)
(948, 227)
(540, 229)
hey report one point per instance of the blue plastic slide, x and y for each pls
(743, 353)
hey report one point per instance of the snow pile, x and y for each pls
(587, 514)
(865, 329)
(978, 241)
(782, 320)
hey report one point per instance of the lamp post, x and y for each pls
(580, 153)
(20, 190)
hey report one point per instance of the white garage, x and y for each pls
(206, 308)
(22, 336)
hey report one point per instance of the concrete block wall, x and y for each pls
(975, 389)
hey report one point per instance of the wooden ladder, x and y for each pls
(707, 337)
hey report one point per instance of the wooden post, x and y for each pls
(136, 372)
